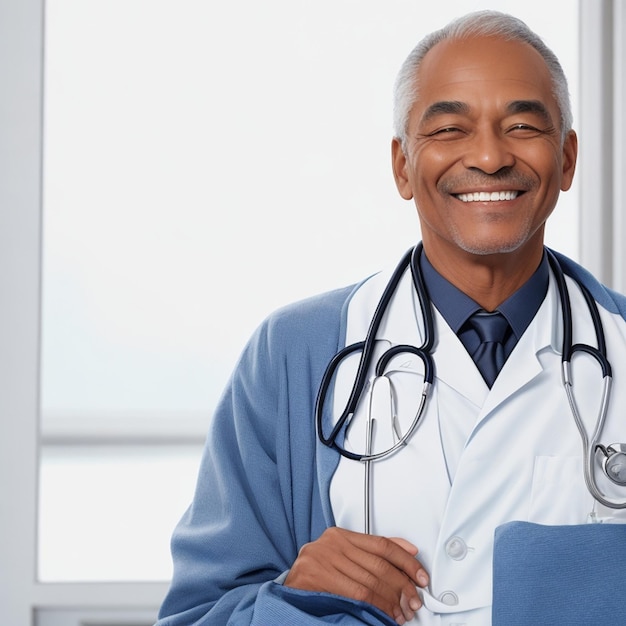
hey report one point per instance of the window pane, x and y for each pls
(107, 513)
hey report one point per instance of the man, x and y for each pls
(483, 146)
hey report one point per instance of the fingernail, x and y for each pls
(415, 604)
(422, 578)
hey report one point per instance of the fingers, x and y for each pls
(421, 576)
(374, 577)
(371, 569)
(408, 609)
(403, 559)
(405, 564)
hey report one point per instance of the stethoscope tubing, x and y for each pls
(569, 349)
(366, 348)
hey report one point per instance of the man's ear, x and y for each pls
(400, 169)
(570, 154)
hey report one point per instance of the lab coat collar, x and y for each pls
(403, 324)
(542, 338)
(403, 321)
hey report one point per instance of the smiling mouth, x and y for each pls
(487, 196)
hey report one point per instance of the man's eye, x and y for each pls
(525, 129)
(446, 132)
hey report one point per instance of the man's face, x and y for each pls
(484, 160)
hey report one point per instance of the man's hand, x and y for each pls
(383, 572)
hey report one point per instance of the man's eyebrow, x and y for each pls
(445, 107)
(529, 106)
(455, 107)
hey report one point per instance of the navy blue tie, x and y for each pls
(492, 328)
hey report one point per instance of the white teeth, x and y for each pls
(484, 196)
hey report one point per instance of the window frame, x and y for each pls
(21, 595)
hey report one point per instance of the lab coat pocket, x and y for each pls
(558, 494)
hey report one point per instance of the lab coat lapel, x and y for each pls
(454, 366)
(404, 324)
(524, 364)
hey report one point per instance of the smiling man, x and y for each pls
(366, 488)
(484, 154)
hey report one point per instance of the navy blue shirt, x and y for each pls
(456, 307)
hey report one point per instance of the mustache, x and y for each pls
(508, 178)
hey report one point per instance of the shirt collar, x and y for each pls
(456, 307)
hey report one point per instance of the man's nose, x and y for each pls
(488, 151)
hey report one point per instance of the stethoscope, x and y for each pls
(613, 457)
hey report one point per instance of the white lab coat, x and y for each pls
(480, 457)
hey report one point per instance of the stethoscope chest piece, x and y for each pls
(614, 463)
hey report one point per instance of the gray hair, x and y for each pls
(485, 24)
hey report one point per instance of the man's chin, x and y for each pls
(487, 248)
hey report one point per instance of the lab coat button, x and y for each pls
(456, 548)
(449, 598)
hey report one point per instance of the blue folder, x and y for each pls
(559, 575)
